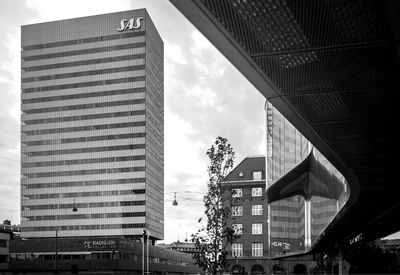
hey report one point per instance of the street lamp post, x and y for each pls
(144, 231)
(56, 263)
(74, 209)
(147, 248)
(146, 235)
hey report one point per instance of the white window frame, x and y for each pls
(256, 210)
(257, 175)
(256, 228)
(257, 249)
(237, 192)
(256, 191)
(237, 250)
(237, 210)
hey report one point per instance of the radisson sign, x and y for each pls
(99, 244)
(130, 24)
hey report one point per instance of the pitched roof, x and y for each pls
(247, 166)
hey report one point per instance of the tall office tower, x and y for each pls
(286, 147)
(315, 189)
(92, 127)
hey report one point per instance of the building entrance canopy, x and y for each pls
(309, 178)
(332, 69)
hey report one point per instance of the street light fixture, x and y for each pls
(175, 203)
(74, 208)
(194, 196)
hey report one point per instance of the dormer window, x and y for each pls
(240, 174)
(257, 175)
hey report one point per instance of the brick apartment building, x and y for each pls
(246, 183)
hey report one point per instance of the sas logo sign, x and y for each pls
(131, 24)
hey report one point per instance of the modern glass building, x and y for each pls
(286, 147)
(305, 191)
(92, 127)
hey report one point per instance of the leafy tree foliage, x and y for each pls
(211, 240)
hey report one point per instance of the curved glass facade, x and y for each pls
(305, 191)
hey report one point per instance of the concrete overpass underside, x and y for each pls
(333, 69)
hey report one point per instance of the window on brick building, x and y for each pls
(256, 192)
(237, 210)
(257, 249)
(237, 249)
(256, 228)
(256, 210)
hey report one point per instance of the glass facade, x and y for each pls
(295, 222)
(92, 134)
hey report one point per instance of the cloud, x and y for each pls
(12, 15)
(201, 50)
(58, 10)
(201, 42)
(205, 97)
(218, 101)
(174, 53)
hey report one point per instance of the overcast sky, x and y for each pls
(205, 97)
